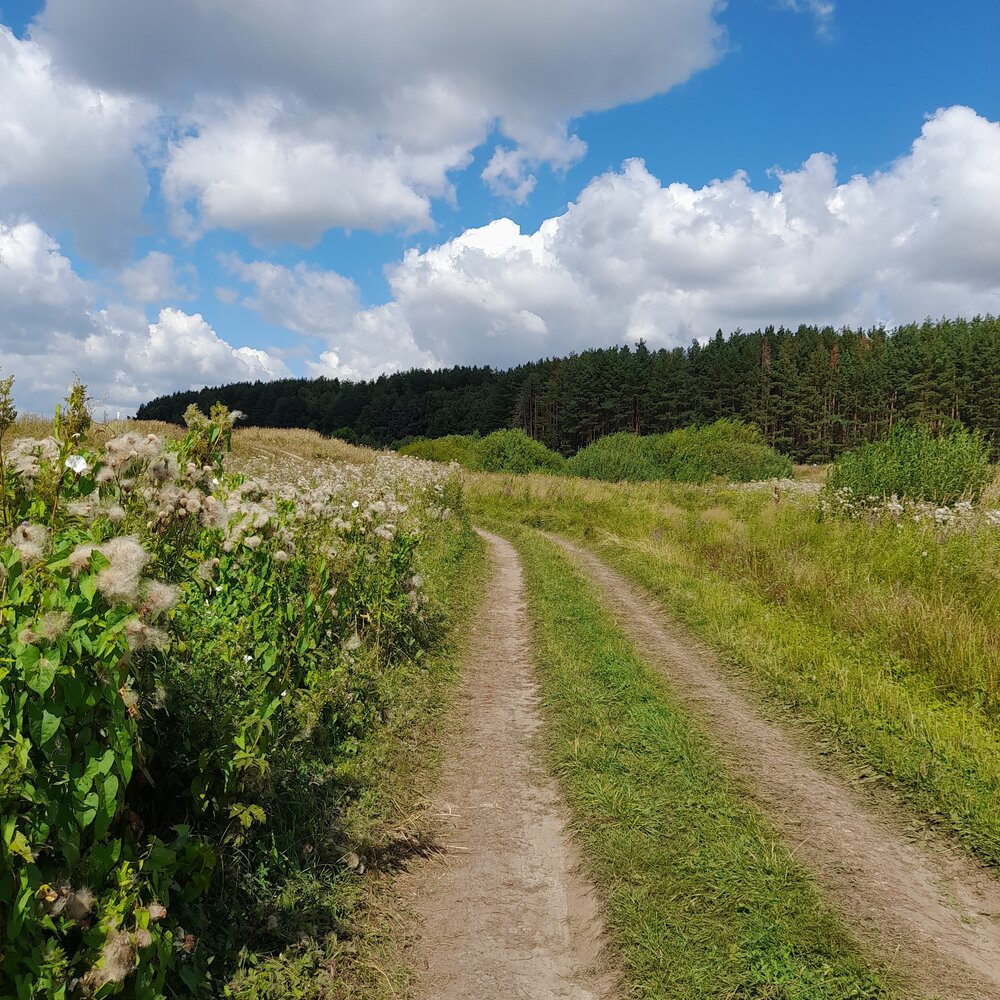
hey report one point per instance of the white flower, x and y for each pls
(355, 504)
(77, 464)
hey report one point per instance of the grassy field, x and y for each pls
(884, 633)
(702, 897)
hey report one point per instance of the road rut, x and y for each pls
(504, 912)
(931, 912)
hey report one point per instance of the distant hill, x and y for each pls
(812, 391)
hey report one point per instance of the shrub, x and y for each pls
(501, 451)
(513, 451)
(727, 448)
(617, 458)
(461, 448)
(913, 463)
(185, 654)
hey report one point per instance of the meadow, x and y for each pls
(876, 624)
(229, 658)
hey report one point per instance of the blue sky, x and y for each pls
(196, 192)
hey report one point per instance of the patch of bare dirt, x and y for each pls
(926, 909)
(503, 910)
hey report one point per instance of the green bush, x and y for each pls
(619, 457)
(727, 449)
(461, 448)
(513, 451)
(501, 451)
(913, 463)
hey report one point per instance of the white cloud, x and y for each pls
(304, 115)
(50, 330)
(302, 299)
(822, 11)
(634, 258)
(325, 305)
(153, 279)
(67, 151)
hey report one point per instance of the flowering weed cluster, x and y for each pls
(184, 649)
(961, 516)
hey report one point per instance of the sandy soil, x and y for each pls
(503, 910)
(926, 909)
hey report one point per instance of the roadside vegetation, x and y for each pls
(702, 898)
(725, 449)
(881, 626)
(215, 671)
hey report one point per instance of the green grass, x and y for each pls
(338, 931)
(702, 898)
(885, 636)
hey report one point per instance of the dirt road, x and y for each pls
(930, 912)
(503, 912)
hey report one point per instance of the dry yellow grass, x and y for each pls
(296, 445)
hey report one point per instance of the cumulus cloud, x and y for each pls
(323, 304)
(51, 330)
(67, 151)
(301, 116)
(634, 258)
(152, 279)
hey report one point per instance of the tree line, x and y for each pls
(814, 392)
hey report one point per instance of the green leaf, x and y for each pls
(40, 680)
(19, 845)
(50, 726)
(88, 813)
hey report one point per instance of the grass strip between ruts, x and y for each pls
(702, 898)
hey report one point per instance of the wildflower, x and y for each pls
(157, 912)
(116, 961)
(281, 556)
(353, 643)
(119, 582)
(53, 625)
(355, 504)
(31, 541)
(139, 635)
(115, 514)
(253, 542)
(160, 598)
(79, 558)
(85, 508)
(143, 939)
(77, 464)
(28, 636)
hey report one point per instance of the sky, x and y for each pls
(207, 191)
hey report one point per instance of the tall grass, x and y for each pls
(915, 464)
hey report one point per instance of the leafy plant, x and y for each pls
(914, 463)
